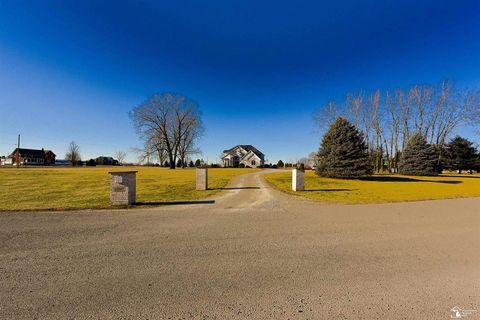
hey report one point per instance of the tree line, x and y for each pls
(75, 159)
(388, 119)
(344, 153)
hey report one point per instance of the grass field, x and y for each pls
(381, 188)
(81, 188)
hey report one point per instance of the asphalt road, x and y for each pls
(252, 253)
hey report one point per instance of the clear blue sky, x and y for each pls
(71, 70)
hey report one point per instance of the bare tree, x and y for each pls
(354, 103)
(405, 114)
(73, 153)
(394, 105)
(120, 156)
(367, 124)
(312, 159)
(189, 131)
(153, 148)
(170, 123)
(375, 118)
(326, 114)
(187, 145)
(422, 98)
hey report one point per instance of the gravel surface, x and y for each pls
(252, 253)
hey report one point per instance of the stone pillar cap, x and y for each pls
(114, 172)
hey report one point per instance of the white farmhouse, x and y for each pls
(247, 155)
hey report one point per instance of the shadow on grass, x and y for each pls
(327, 190)
(405, 179)
(237, 188)
(462, 176)
(172, 203)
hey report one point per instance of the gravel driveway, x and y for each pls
(252, 253)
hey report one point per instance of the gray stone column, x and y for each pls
(123, 187)
(298, 180)
(201, 178)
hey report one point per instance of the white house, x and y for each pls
(6, 161)
(247, 155)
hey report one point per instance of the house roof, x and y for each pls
(246, 147)
(31, 152)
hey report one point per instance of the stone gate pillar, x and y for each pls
(298, 180)
(123, 187)
(201, 178)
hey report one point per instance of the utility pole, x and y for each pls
(18, 151)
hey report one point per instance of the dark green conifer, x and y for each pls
(343, 152)
(461, 155)
(418, 158)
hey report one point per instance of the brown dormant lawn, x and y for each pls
(55, 188)
(381, 188)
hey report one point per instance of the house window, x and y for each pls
(253, 162)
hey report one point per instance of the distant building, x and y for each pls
(5, 161)
(32, 157)
(62, 162)
(106, 161)
(246, 155)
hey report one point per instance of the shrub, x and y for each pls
(343, 152)
(418, 158)
(179, 163)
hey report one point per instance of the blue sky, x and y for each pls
(71, 70)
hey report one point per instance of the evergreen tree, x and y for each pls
(179, 163)
(198, 163)
(280, 164)
(461, 155)
(418, 157)
(190, 164)
(343, 152)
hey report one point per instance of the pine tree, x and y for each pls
(190, 164)
(179, 163)
(418, 157)
(343, 152)
(461, 155)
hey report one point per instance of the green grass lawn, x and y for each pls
(89, 187)
(380, 188)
